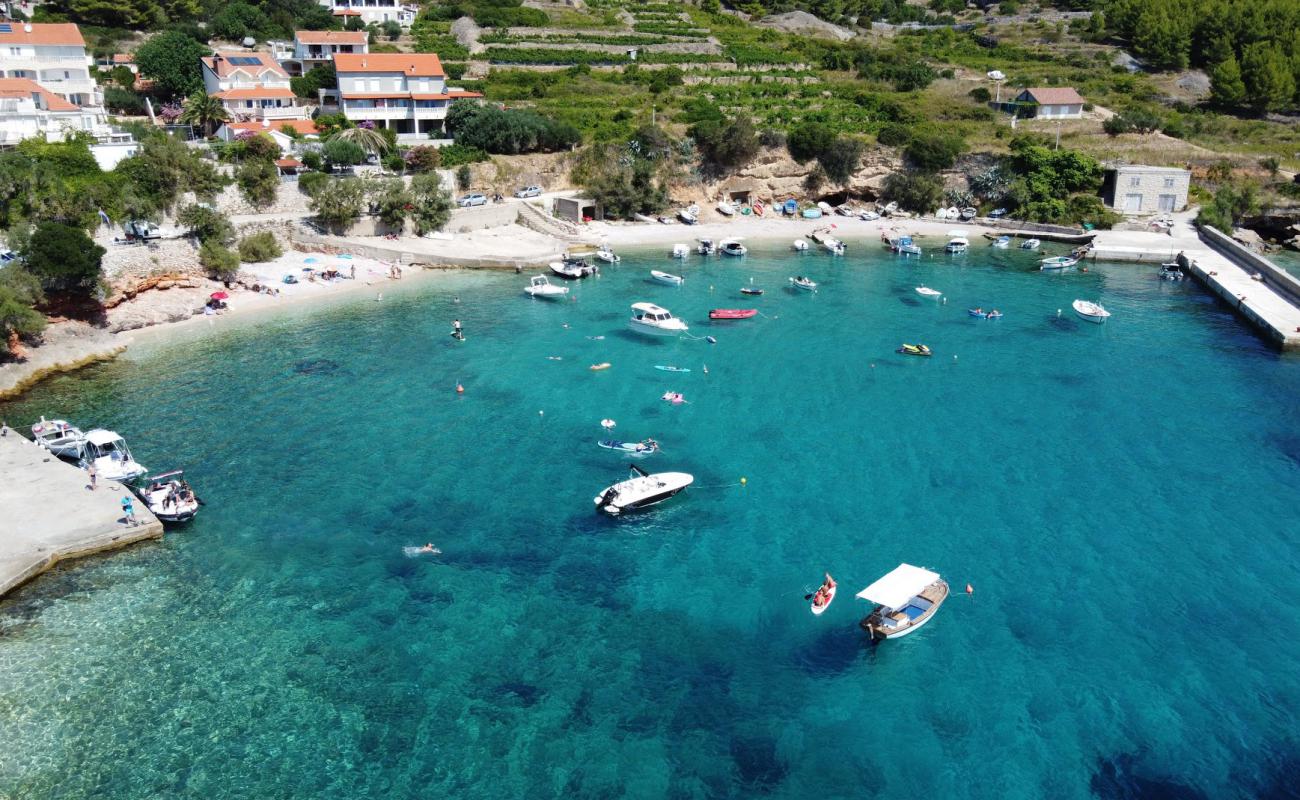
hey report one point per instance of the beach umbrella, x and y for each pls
(219, 295)
(309, 260)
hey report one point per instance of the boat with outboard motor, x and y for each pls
(800, 246)
(751, 290)
(573, 268)
(905, 599)
(732, 247)
(705, 247)
(650, 318)
(732, 313)
(1002, 242)
(1057, 263)
(957, 242)
(642, 448)
(914, 350)
(1092, 312)
(607, 255)
(681, 250)
(168, 496)
(982, 314)
(800, 282)
(58, 436)
(687, 217)
(642, 490)
(926, 291)
(1171, 271)
(108, 452)
(1031, 244)
(667, 277)
(540, 286)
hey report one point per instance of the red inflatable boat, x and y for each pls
(732, 313)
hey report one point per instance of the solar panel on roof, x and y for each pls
(6, 28)
(244, 61)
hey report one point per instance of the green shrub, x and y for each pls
(463, 177)
(64, 259)
(309, 182)
(808, 140)
(258, 182)
(918, 193)
(220, 261)
(311, 159)
(980, 94)
(259, 247)
(454, 155)
(206, 224)
(934, 150)
(894, 135)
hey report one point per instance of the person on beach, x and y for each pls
(353, 272)
(129, 510)
(94, 476)
(4, 428)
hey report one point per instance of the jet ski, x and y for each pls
(914, 350)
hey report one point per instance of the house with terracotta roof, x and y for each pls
(1061, 103)
(251, 86)
(378, 11)
(30, 111)
(406, 92)
(53, 55)
(315, 48)
(284, 132)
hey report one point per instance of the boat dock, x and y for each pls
(51, 515)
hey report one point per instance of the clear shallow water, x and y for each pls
(1122, 498)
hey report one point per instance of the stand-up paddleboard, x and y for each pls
(600, 366)
(670, 368)
(817, 610)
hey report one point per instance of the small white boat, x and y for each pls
(952, 212)
(573, 268)
(732, 247)
(800, 282)
(958, 243)
(667, 277)
(726, 209)
(1031, 244)
(59, 437)
(869, 216)
(844, 210)
(926, 291)
(909, 248)
(607, 255)
(642, 490)
(800, 246)
(687, 217)
(646, 448)
(969, 213)
(1171, 271)
(1093, 312)
(169, 497)
(1057, 263)
(833, 246)
(110, 455)
(541, 287)
(705, 247)
(1002, 242)
(905, 599)
(825, 208)
(650, 318)
(890, 209)
(681, 250)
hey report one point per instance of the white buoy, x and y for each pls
(1058, 312)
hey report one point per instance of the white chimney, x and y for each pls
(266, 123)
(27, 26)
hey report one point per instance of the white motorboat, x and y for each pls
(957, 243)
(905, 599)
(687, 217)
(1057, 263)
(1031, 244)
(1171, 271)
(573, 268)
(833, 246)
(541, 286)
(800, 246)
(926, 291)
(732, 247)
(110, 455)
(1093, 312)
(726, 209)
(968, 213)
(169, 497)
(952, 212)
(636, 449)
(59, 437)
(800, 282)
(826, 208)
(607, 255)
(667, 277)
(650, 318)
(909, 247)
(844, 210)
(869, 216)
(642, 490)
(705, 247)
(890, 209)
(681, 250)
(1002, 242)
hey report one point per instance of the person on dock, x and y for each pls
(128, 509)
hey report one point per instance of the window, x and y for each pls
(1135, 181)
(1169, 183)
(15, 51)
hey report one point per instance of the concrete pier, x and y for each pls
(48, 513)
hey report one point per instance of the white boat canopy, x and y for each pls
(102, 437)
(899, 586)
(649, 308)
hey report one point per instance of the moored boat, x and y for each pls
(868, 216)
(905, 599)
(705, 247)
(110, 455)
(1057, 263)
(751, 290)
(1031, 244)
(607, 255)
(650, 318)
(732, 247)
(643, 448)
(732, 313)
(573, 268)
(169, 497)
(1092, 312)
(957, 242)
(59, 437)
(541, 287)
(726, 209)
(968, 213)
(687, 217)
(926, 291)
(800, 282)
(1002, 242)
(800, 246)
(667, 277)
(642, 490)
(681, 251)
(1171, 271)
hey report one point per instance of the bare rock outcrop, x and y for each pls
(467, 31)
(804, 24)
(774, 175)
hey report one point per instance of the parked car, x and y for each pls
(529, 191)
(472, 200)
(141, 229)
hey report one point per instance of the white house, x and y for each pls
(53, 55)
(314, 48)
(373, 10)
(407, 92)
(1064, 103)
(278, 130)
(28, 110)
(251, 86)
(1139, 189)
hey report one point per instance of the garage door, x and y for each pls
(1132, 203)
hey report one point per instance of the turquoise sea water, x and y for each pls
(1121, 497)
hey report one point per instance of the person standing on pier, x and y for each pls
(129, 510)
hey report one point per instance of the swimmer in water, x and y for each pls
(429, 548)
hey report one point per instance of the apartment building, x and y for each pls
(373, 10)
(406, 92)
(251, 86)
(51, 54)
(314, 48)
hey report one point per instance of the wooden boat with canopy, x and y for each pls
(905, 599)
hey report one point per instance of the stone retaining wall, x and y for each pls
(1276, 278)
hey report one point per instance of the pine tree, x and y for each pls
(1162, 39)
(1226, 86)
(1267, 76)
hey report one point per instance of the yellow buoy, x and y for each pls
(743, 481)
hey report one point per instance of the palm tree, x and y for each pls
(204, 110)
(371, 140)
